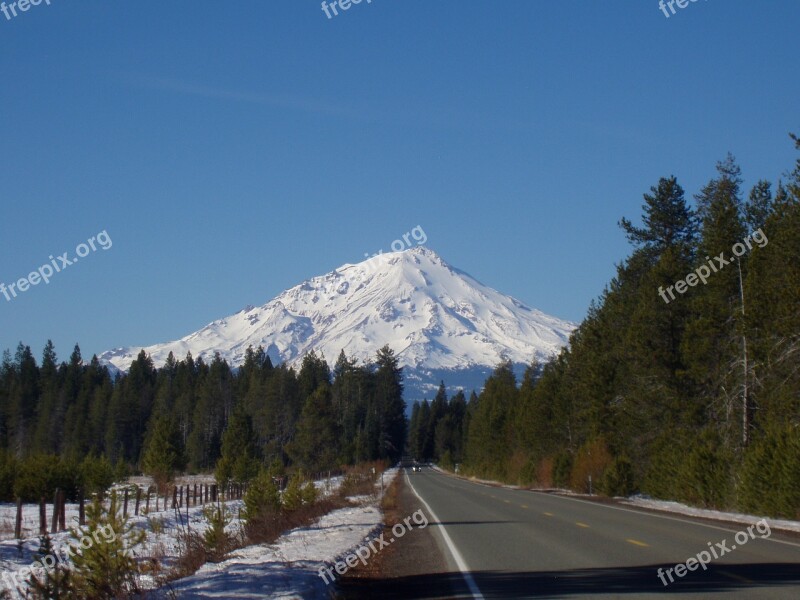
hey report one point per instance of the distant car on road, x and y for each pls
(416, 468)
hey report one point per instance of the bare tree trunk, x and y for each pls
(745, 420)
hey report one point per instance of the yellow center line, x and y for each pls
(523, 505)
(637, 543)
(579, 524)
(548, 514)
(507, 501)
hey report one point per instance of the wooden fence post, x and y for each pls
(62, 512)
(81, 509)
(125, 504)
(54, 520)
(138, 500)
(42, 516)
(18, 522)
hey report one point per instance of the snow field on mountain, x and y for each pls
(434, 317)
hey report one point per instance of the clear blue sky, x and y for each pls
(233, 149)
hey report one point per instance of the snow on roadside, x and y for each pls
(289, 568)
(162, 529)
(703, 513)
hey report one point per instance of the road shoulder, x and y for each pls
(416, 566)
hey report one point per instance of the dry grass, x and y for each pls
(271, 528)
(360, 480)
(6, 529)
(153, 565)
(195, 552)
(544, 473)
(390, 504)
(593, 459)
(515, 467)
(358, 484)
(193, 556)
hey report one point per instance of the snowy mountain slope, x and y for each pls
(436, 318)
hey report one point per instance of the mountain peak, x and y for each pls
(390, 258)
(435, 317)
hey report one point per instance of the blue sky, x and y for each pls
(233, 149)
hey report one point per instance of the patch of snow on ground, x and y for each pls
(290, 567)
(165, 545)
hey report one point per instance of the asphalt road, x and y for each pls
(503, 543)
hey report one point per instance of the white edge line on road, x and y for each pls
(462, 565)
(646, 513)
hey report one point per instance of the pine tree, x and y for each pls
(107, 568)
(314, 372)
(262, 505)
(668, 221)
(390, 405)
(425, 440)
(23, 397)
(458, 411)
(712, 345)
(759, 206)
(292, 498)
(45, 437)
(96, 474)
(413, 441)
(315, 446)
(489, 447)
(216, 539)
(163, 454)
(348, 395)
(53, 581)
(213, 407)
(239, 462)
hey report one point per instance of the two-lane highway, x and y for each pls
(514, 543)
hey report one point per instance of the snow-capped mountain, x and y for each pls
(441, 323)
